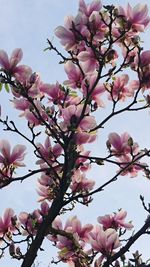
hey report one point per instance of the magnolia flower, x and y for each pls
(121, 144)
(73, 225)
(46, 186)
(96, 92)
(83, 128)
(97, 26)
(117, 220)
(74, 75)
(104, 241)
(137, 16)
(13, 158)
(30, 222)
(48, 152)
(54, 91)
(119, 89)
(80, 183)
(87, 10)
(66, 36)
(88, 60)
(132, 169)
(10, 64)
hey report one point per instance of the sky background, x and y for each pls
(27, 24)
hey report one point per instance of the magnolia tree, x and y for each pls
(102, 49)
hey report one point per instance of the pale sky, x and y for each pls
(27, 24)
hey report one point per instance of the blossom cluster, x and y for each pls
(102, 238)
(127, 153)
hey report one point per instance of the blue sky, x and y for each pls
(27, 24)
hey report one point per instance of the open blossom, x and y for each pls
(46, 187)
(54, 92)
(65, 34)
(82, 163)
(97, 26)
(33, 116)
(80, 183)
(83, 128)
(144, 70)
(88, 9)
(116, 220)
(49, 152)
(88, 60)
(119, 89)
(96, 92)
(74, 75)
(10, 64)
(104, 241)
(121, 144)
(131, 169)
(13, 158)
(30, 222)
(137, 16)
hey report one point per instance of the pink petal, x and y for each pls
(16, 57)
(18, 153)
(8, 214)
(5, 149)
(4, 61)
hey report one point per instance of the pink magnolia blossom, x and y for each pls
(66, 35)
(49, 152)
(121, 144)
(70, 34)
(119, 89)
(85, 137)
(87, 10)
(88, 60)
(96, 92)
(10, 64)
(82, 162)
(80, 183)
(131, 169)
(97, 26)
(83, 133)
(13, 158)
(30, 222)
(45, 193)
(33, 117)
(104, 241)
(117, 220)
(54, 91)
(6, 225)
(74, 75)
(46, 186)
(144, 65)
(30, 81)
(73, 225)
(21, 104)
(137, 16)
(145, 58)
(44, 209)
